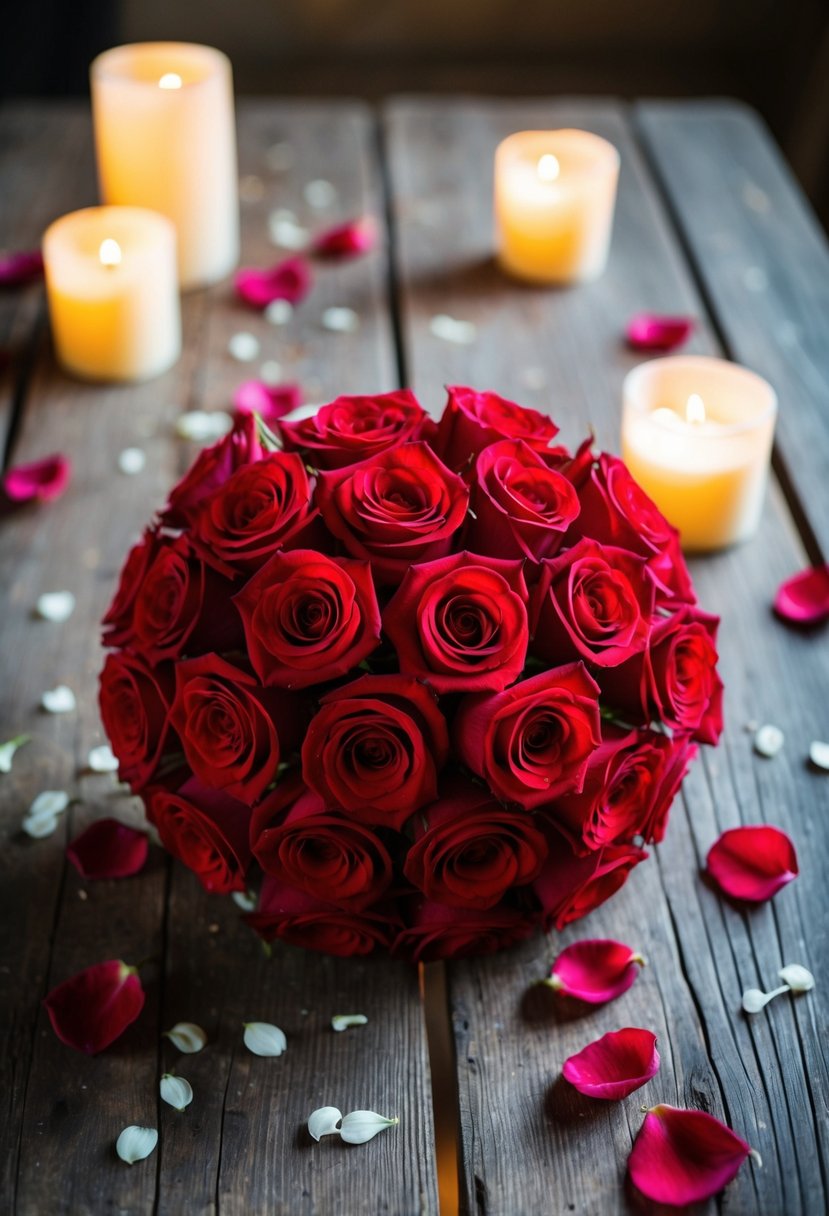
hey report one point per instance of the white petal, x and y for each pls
(132, 461)
(243, 347)
(201, 426)
(245, 900)
(55, 605)
(136, 1143)
(340, 320)
(754, 1000)
(342, 1021)
(462, 333)
(361, 1125)
(38, 828)
(48, 804)
(271, 372)
(819, 755)
(102, 759)
(797, 977)
(8, 749)
(323, 1122)
(768, 740)
(279, 312)
(187, 1037)
(60, 700)
(320, 194)
(176, 1091)
(287, 233)
(264, 1039)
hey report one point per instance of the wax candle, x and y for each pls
(554, 197)
(697, 436)
(165, 139)
(113, 292)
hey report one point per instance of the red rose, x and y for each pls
(211, 469)
(461, 623)
(296, 840)
(519, 506)
(263, 507)
(233, 731)
(532, 742)
(592, 602)
(295, 917)
(400, 507)
(135, 704)
(434, 931)
(679, 758)
(375, 749)
(469, 850)
(308, 618)
(472, 421)
(207, 830)
(569, 887)
(351, 429)
(117, 623)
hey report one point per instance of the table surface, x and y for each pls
(710, 223)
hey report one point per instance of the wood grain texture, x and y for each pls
(763, 262)
(531, 1144)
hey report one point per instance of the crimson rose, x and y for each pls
(302, 920)
(211, 469)
(434, 931)
(117, 624)
(351, 429)
(569, 887)
(472, 421)
(205, 829)
(135, 704)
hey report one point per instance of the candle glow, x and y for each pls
(548, 168)
(110, 253)
(170, 80)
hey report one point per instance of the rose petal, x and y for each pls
(41, 827)
(651, 331)
(288, 280)
(47, 804)
(362, 1125)
(55, 606)
(342, 1021)
(264, 1039)
(108, 849)
(187, 1037)
(16, 269)
(323, 1122)
(804, 599)
(279, 312)
(102, 759)
(132, 461)
(819, 755)
(614, 1065)
(347, 240)
(270, 401)
(243, 347)
(595, 970)
(60, 700)
(320, 194)
(136, 1143)
(797, 977)
(8, 749)
(683, 1156)
(768, 740)
(94, 1007)
(175, 1091)
(340, 320)
(461, 333)
(42, 480)
(284, 230)
(752, 863)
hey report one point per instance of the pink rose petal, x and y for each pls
(684, 1156)
(289, 280)
(615, 1065)
(93, 1008)
(108, 849)
(595, 970)
(650, 331)
(270, 401)
(16, 269)
(42, 479)
(752, 863)
(347, 240)
(804, 599)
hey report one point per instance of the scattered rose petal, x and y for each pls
(340, 320)
(288, 280)
(362, 1125)
(614, 1065)
(94, 1007)
(136, 1143)
(8, 749)
(320, 194)
(243, 347)
(819, 755)
(279, 157)
(41, 827)
(246, 900)
(175, 1091)
(752, 863)
(270, 401)
(55, 606)
(347, 240)
(797, 977)
(342, 1021)
(42, 480)
(264, 1039)
(650, 331)
(187, 1037)
(754, 999)
(804, 599)
(286, 232)
(684, 1156)
(203, 427)
(108, 849)
(279, 312)
(16, 269)
(48, 803)
(462, 333)
(102, 759)
(595, 970)
(768, 740)
(60, 700)
(271, 373)
(323, 1122)
(132, 461)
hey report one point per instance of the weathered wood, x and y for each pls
(763, 262)
(529, 1144)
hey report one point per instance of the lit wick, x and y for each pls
(110, 253)
(170, 80)
(548, 168)
(695, 410)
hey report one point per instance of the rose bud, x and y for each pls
(569, 887)
(471, 421)
(135, 702)
(352, 429)
(207, 831)
(95, 1007)
(303, 920)
(434, 931)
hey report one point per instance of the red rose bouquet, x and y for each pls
(422, 687)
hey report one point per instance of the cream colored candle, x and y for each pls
(113, 293)
(165, 139)
(697, 436)
(555, 192)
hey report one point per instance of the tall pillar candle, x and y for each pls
(165, 139)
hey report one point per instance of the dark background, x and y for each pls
(774, 54)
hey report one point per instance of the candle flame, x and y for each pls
(110, 253)
(170, 80)
(548, 168)
(695, 409)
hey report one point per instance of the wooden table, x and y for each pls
(709, 222)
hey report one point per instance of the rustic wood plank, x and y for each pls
(763, 262)
(528, 1142)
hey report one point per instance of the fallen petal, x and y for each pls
(60, 700)
(614, 1065)
(42, 480)
(819, 755)
(752, 863)
(285, 231)
(347, 240)
(94, 1007)
(595, 970)
(175, 1091)
(132, 461)
(797, 977)
(264, 1039)
(320, 194)
(136, 1143)
(340, 320)
(362, 1125)
(270, 401)
(462, 333)
(650, 331)
(108, 849)
(323, 1122)
(288, 280)
(279, 312)
(187, 1037)
(201, 426)
(684, 1156)
(754, 999)
(768, 740)
(55, 606)
(8, 749)
(47, 804)
(243, 347)
(16, 269)
(342, 1021)
(102, 759)
(41, 827)
(804, 599)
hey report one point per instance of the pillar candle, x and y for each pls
(165, 139)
